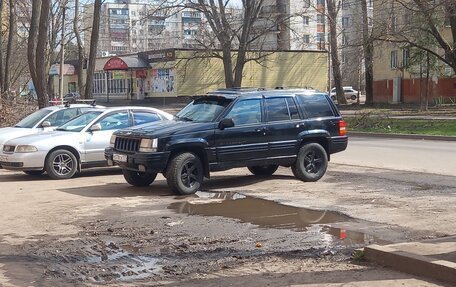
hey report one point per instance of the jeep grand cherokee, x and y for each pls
(254, 128)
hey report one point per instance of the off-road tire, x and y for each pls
(263, 170)
(137, 178)
(61, 164)
(311, 163)
(185, 173)
(33, 172)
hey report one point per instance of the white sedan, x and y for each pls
(77, 144)
(45, 119)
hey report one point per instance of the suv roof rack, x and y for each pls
(60, 102)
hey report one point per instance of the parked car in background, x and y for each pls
(349, 92)
(45, 119)
(77, 144)
(72, 97)
(254, 128)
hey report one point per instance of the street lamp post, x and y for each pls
(62, 55)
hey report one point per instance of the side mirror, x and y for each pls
(95, 127)
(45, 124)
(226, 123)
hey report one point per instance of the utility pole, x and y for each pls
(62, 54)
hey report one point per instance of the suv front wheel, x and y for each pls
(311, 162)
(185, 173)
(137, 178)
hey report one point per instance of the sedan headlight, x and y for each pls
(25, 148)
(148, 145)
(112, 141)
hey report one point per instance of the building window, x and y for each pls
(405, 57)
(320, 37)
(394, 24)
(344, 40)
(306, 3)
(343, 59)
(306, 39)
(370, 3)
(345, 4)
(345, 22)
(305, 20)
(393, 60)
(321, 2)
(320, 19)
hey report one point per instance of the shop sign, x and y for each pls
(158, 56)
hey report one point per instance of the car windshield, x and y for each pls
(203, 110)
(80, 122)
(31, 120)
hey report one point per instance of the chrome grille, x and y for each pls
(127, 144)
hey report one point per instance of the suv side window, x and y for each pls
(246, 112)
(281, 109)
(316, 106)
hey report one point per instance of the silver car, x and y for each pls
(77, 144)
(45, 119)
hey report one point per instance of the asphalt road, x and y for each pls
(438, 157)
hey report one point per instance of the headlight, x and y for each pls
(25, 148)
(148, 145)
(112, 141)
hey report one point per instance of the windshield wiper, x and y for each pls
(60, 129)
(16, 126)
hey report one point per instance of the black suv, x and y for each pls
(254, 128)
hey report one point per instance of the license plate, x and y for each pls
(3, 158)
(119, 157)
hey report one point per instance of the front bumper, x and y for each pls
(23, 161)
(140, 161)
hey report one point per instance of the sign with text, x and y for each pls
(158, 56)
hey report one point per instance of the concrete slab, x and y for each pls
(434, 258)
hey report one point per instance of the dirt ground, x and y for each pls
(96, 229)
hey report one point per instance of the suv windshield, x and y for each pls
(203, 109)
(80, 122)
(31, 120)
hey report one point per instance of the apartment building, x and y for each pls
(403, 74)
(129, 26)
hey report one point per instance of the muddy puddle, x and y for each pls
(333, 227)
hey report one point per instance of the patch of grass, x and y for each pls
(383, 123)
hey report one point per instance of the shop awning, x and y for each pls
(125, 63)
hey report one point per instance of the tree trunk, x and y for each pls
(1, 56)
(93, 48)
(32, 39)
(228, 67)
(239, 68)
(368, 50)
(426, 95)
(11, 47)
(332, 17)
(40, 57)
(80, 49)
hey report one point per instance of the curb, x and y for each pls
(416, 264)
(403, 136)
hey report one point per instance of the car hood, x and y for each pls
(47, 140)
(165, 128)
(12, 132)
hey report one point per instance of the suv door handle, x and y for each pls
(300, 125)
(261, 130)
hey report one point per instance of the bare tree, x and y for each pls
(32, 42)
(93, 48)
(80, 48)
(334, 53)
(368, 50)
(11, 46)
(41, 61)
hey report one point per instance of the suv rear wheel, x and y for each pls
(263, 169)
(137, 178)
(185, 173)
(311, 163)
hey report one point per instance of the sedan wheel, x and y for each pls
(61, 164)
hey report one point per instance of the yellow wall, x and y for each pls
(287, 69)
